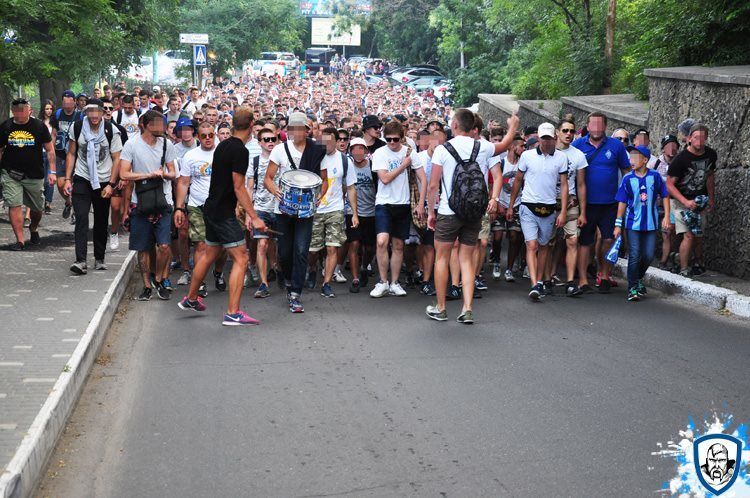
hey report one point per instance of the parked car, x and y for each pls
(316, 58)
(409, 74)
(425, 82)
(276, 62)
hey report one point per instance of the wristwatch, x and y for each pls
(181, 209)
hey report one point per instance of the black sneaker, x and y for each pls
(454, 293)
(221, 284)
(364, 277)
(34, 239)
(699, 270)
(586, 289)
(572, 290)
(536, 292)
(145, 295)
(428, 289)
(605, 286)
(326, 290)
(203, 290)
(162, 292)
(66, 212)
(271, 275)
(17, 246)
(548, 288)
(479, 283)
(79, 268)
(354, 286)
(311, 279)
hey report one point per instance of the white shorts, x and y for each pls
(536, 228)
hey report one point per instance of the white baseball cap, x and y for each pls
(357, 141)
(546, 130)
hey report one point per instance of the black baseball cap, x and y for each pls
(667, 139)
(371, 121)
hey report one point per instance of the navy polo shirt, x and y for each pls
(603, 173)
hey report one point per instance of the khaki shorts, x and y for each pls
(570, 229)
(28, 192)
(328, 230)
(484, 231)
(676, 209)
(448, 228)
(197, 225)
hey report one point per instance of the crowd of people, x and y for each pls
(413, 194)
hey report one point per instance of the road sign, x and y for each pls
(194, 38)
(199, 55)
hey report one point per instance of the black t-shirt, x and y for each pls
(692, 171)
(375, 145)
(64, 127)
(231, 156)
(23, 146)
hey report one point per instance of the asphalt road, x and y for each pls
(366, 397)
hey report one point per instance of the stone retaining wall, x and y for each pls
(720, 98)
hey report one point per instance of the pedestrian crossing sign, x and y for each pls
(199, 55)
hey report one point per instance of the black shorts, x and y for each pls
(393, 219)
(364, 233)
(601, 216)
(226, 233)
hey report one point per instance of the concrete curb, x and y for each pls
(22, 474)
(698, 292)
(739, 305)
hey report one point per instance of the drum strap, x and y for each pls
(289, 156)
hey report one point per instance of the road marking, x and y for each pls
(51, 299)
(32, 264)
(56, 260)
(90, 290)
(69, 330)
(65, 311)
(44, 319)
(11, 363)
(64, 286)
(7, 427)
(71, 339)
(27, 291)
(12, 295)
(6, 305)
(3, 395)
(39, 380)
(44, 269)
(15, 273)
(22, 347)
(61, 355)
(30, 281)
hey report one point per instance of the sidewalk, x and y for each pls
(713, 289)
(52, 323)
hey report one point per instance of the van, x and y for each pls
(316, 58)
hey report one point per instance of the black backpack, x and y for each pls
(469, 196)
(256, 165)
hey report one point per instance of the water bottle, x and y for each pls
(614, 251)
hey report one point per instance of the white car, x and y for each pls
(409, 74)
(167, 64)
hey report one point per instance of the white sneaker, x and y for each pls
(339, 277)
(509, 276)
(114, 241)
(184, 279)
(396, 290)
(526, 272)
(380, 290)
(496, 271)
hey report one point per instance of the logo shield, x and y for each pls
(717, 459)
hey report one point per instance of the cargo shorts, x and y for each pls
(328, 230)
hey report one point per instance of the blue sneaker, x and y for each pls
(167, 283)
(262, 291)
(326, 290)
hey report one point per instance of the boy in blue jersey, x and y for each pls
(637, 197)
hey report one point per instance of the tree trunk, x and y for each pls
(609, 43)
(5, 98)
(52, 88)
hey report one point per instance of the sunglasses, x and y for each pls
(206, 135)
(269, 139)
(343, 139)
(568, 130)
(624, 140)
(108, 108)
(392, 140)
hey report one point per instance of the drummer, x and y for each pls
(298, 152)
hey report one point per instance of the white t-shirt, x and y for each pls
(278, 156)
(541, 174)
(576, 161)
(396, 192)
(334, 199)
(196, 164)
(145, 158)
(508, 178)
(464, 146)
(129, 122)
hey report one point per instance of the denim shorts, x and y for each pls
(270, 220)
(393, 219)
(144, 234)
(226, 233)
